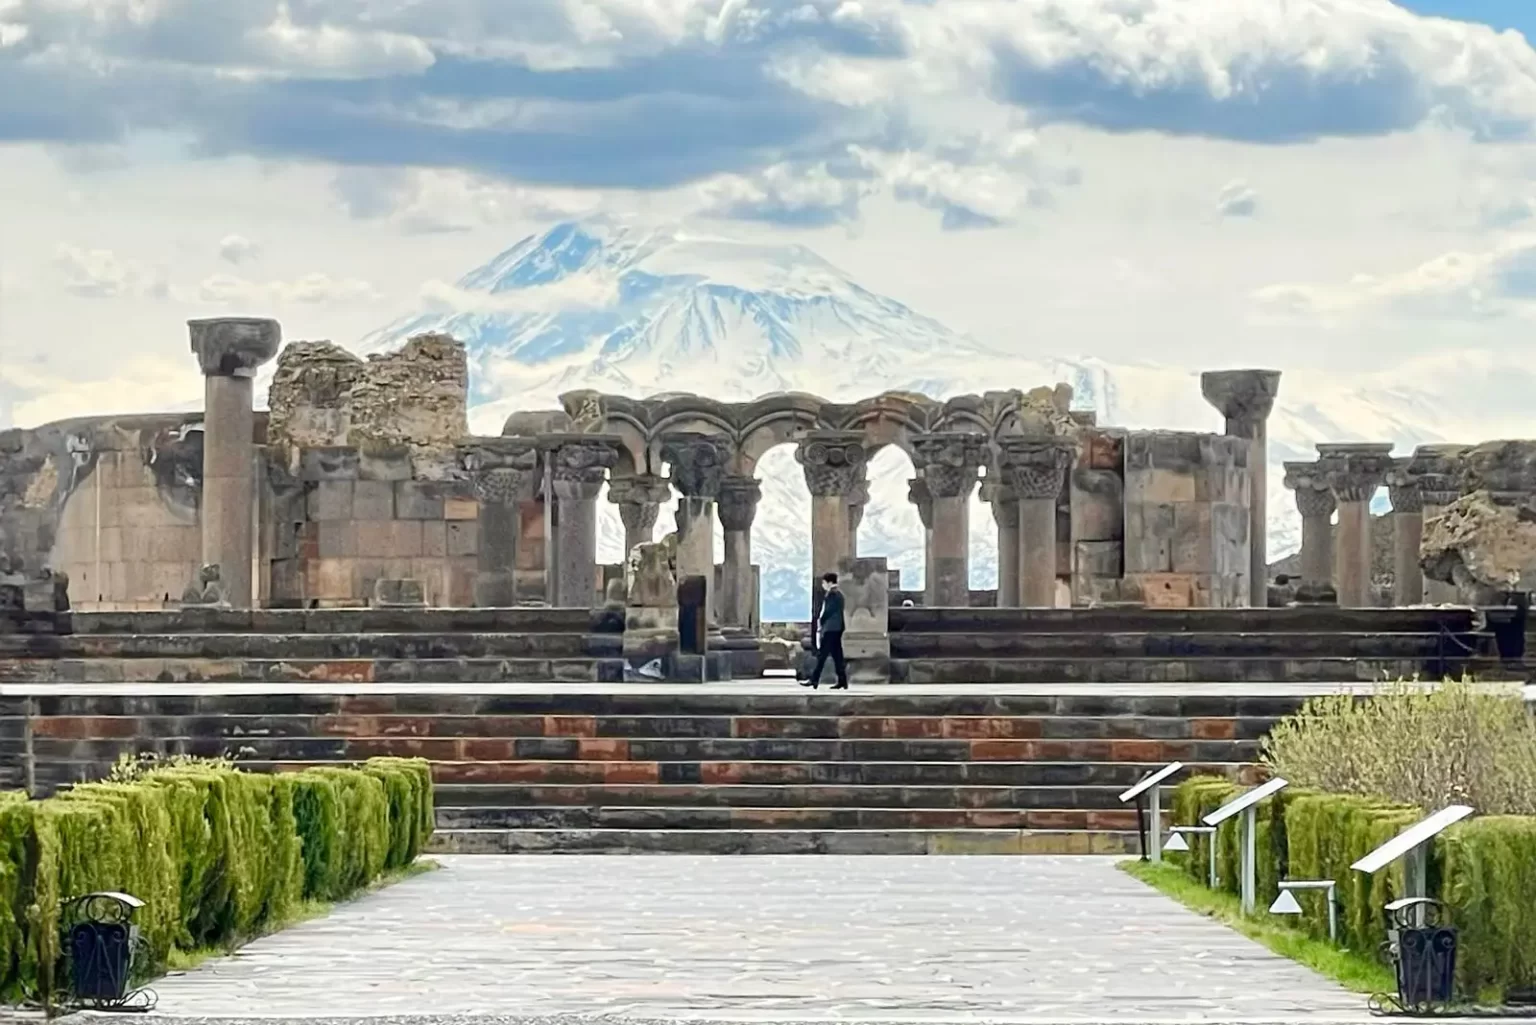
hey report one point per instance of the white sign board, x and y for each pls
(1242, 802)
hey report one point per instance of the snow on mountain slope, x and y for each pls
(620, 306)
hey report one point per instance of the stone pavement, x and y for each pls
(764, 939)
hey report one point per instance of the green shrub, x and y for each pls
(217, 854)
(1193, 799)
(1488, 878)
(1460, 743)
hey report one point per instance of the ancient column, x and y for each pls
(698, 466)
(1005, 512)
(1436, 468)
(1407, 533)
(505, 473)
(1034, 468)
(229, 349)
(949, 461)
(1316, 504)
(918, 495)
(834, 463)
(1245, 398)
(738, 506)
(639, 500)
(578, 465)
(1354, 472)
(858, 498)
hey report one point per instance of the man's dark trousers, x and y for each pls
(831, 645)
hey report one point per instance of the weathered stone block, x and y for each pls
(1149, 532)
(1097, 505)
(398, 593)
(463, 538)
(373, 500)
(385, 465)
(1098, 559)
(1191, 549)
(418, 500)
(328, 463)
(461, 509)
(331, 500)
(434, 538)
(337, 539)
(1164, 590)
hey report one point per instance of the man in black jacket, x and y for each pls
(829, 635)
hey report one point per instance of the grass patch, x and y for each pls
(305, 911)
(1355, 971)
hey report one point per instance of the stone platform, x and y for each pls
(729, 768)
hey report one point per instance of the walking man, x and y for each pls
(829, 635)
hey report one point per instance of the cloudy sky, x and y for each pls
(1305, 184)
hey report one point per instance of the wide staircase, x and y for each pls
(210, 645)
(1299, 644)
(742, 768)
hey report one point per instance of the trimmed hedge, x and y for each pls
(1484, 869)
(217, 854)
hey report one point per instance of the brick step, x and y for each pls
(718, 710)
(340, 621)
(783, 818)
(471, 796)
(568, 731)
(1179, 645)
(1154, 670)
(323, 647)
(1017, 773)
(600, 750)
(300, 670)
(1094, 621)
(782, 841)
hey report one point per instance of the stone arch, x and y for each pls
(784, 563)
(891, 525)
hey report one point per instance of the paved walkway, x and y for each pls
(765, 939)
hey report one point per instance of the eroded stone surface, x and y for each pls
(1485, 548)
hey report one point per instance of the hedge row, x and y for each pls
(216, 854)
(1483, 868)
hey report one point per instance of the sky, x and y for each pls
(1339, 186)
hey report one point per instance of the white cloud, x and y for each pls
(238, 249)
(587, 290)
(310, 289)
(429, 202)
(1237, 199)
(102, 274)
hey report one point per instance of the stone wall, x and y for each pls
(1096, 533)
(111, 501)
(1186, 519)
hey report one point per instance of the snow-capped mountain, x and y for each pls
(623, 307)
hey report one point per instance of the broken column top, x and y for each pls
(1035, 467)
(1246, 396)
(1403, 487)
(234, 346)
(1354, 470)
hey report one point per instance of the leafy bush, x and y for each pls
(1487, 868)
(218, 855)
(1460, 743)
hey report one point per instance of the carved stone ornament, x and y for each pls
(1437, 469)
(234, 346)
(919, 495)
(833, 461)
(698, 462)
(209, 589)
(578, 465)
(949, 461)
(1035, 468)
(1003, 500)
(1244, 396)
(504, 471)
(1403, 488)
(639, 499)
(1313, 498)
(1354, 471)
(737, 505)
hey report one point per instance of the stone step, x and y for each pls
(782, 841)
(1179, 645)
(344, 621)
(324, 647)
(1304, 619)
(998, 773)
(472, 796)
(305, 670)
(962, 671)
(783, 818)
(710, 711)
(571, 732)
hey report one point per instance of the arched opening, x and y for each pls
(781, 537)
(891, 526)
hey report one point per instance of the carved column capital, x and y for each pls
(579, 463)
(833, 461)
(698, 462)
(1003, 499)
(234, 346)
(1403, 488)
(1035, 467)
(949, 461)
(640, 489)
(1353, 471)
(1437, 469)
(504, 471)
(1313, 499)
(737, 504)
(1244, 397)
(919, 495)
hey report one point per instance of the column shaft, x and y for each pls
(1008, 564)
(496, 556)
(1407, 577)
(696, 546)
(951, 583)
(1352, 557)
(228, 484)
(736, 579)
(1353, 472)
(1037, 552)
(576, 553)
(1317, 549)
(1245, 399)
